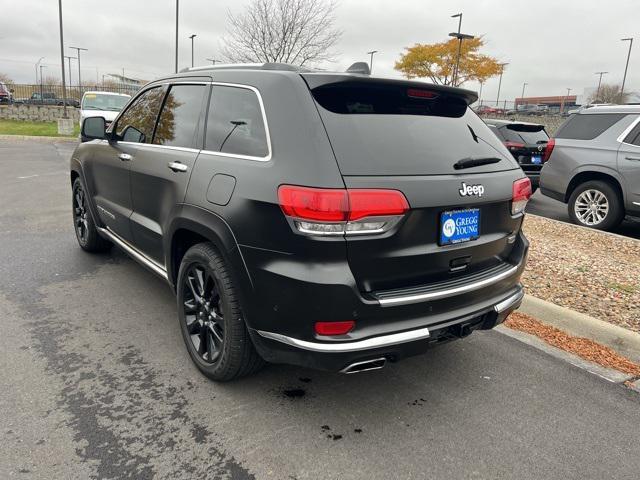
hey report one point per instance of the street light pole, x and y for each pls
(523, 87)
(626, 67)
(599, 83)
(69, 58)
(192, 37)
(565, 100)
(37, 65)
(41, 88)
(502, 65)
(455, 69)
(177, 10)
(64, 81)
(371, 53)
(78, 49)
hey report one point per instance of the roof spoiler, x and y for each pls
(359, 67)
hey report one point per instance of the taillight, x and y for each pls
(334, 328)
(329, 211)
(548, 149)
(520, 196)
(513, 145)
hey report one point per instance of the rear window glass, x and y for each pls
(525, 134)
(380, 132)
(365, 98)
(587, 126)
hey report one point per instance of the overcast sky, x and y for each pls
(550, 44)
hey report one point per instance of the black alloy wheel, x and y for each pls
(83, 224)
(203, 312)
(211, 316)
(80, 215)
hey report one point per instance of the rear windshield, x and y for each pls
(587, 126)
(529, 134)
(382, 129)
(354, 98)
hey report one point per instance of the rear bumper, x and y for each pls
(336, 356)
(289, 297)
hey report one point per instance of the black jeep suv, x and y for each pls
(330, 220)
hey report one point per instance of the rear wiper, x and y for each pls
(470, 162)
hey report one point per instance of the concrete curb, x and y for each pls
(623, 341)
(39, 138)
(609, 374)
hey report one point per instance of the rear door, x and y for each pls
(160, 171)
(629, 166)
(403, 136)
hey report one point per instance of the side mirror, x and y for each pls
(93, 128)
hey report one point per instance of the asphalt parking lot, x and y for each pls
(96, 382)
(550, 208)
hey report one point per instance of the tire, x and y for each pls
(211, 318)
(86, 233)
(596, 204)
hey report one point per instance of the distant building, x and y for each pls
(556, 103)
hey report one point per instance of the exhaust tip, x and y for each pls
(365, 366)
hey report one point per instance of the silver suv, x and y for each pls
(593, 165)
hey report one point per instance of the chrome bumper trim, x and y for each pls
(450, 292)
(135, 254)
(510, 303)
(344, 347)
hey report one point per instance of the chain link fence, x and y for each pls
(42, 94)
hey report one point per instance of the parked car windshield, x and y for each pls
(99, 101)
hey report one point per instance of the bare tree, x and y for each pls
(609, 93)
(4, 78)
(298, 32)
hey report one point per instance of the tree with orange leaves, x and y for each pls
(437, 62)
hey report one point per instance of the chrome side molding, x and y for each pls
(134, 253)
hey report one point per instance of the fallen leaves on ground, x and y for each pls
(585, 270)
(582, 347)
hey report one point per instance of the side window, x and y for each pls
(179, 124)
(587, 126)
(634, 136)
(235, 124)
(136, 122)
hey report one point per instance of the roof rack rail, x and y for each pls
(246, 66)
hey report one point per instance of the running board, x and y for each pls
(134, 253)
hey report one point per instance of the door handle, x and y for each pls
(177, 166)
(125, 157)
(637, 159)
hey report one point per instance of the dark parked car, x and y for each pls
(330, 220)
(594, 165)
(49, 98)
(526, 142)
